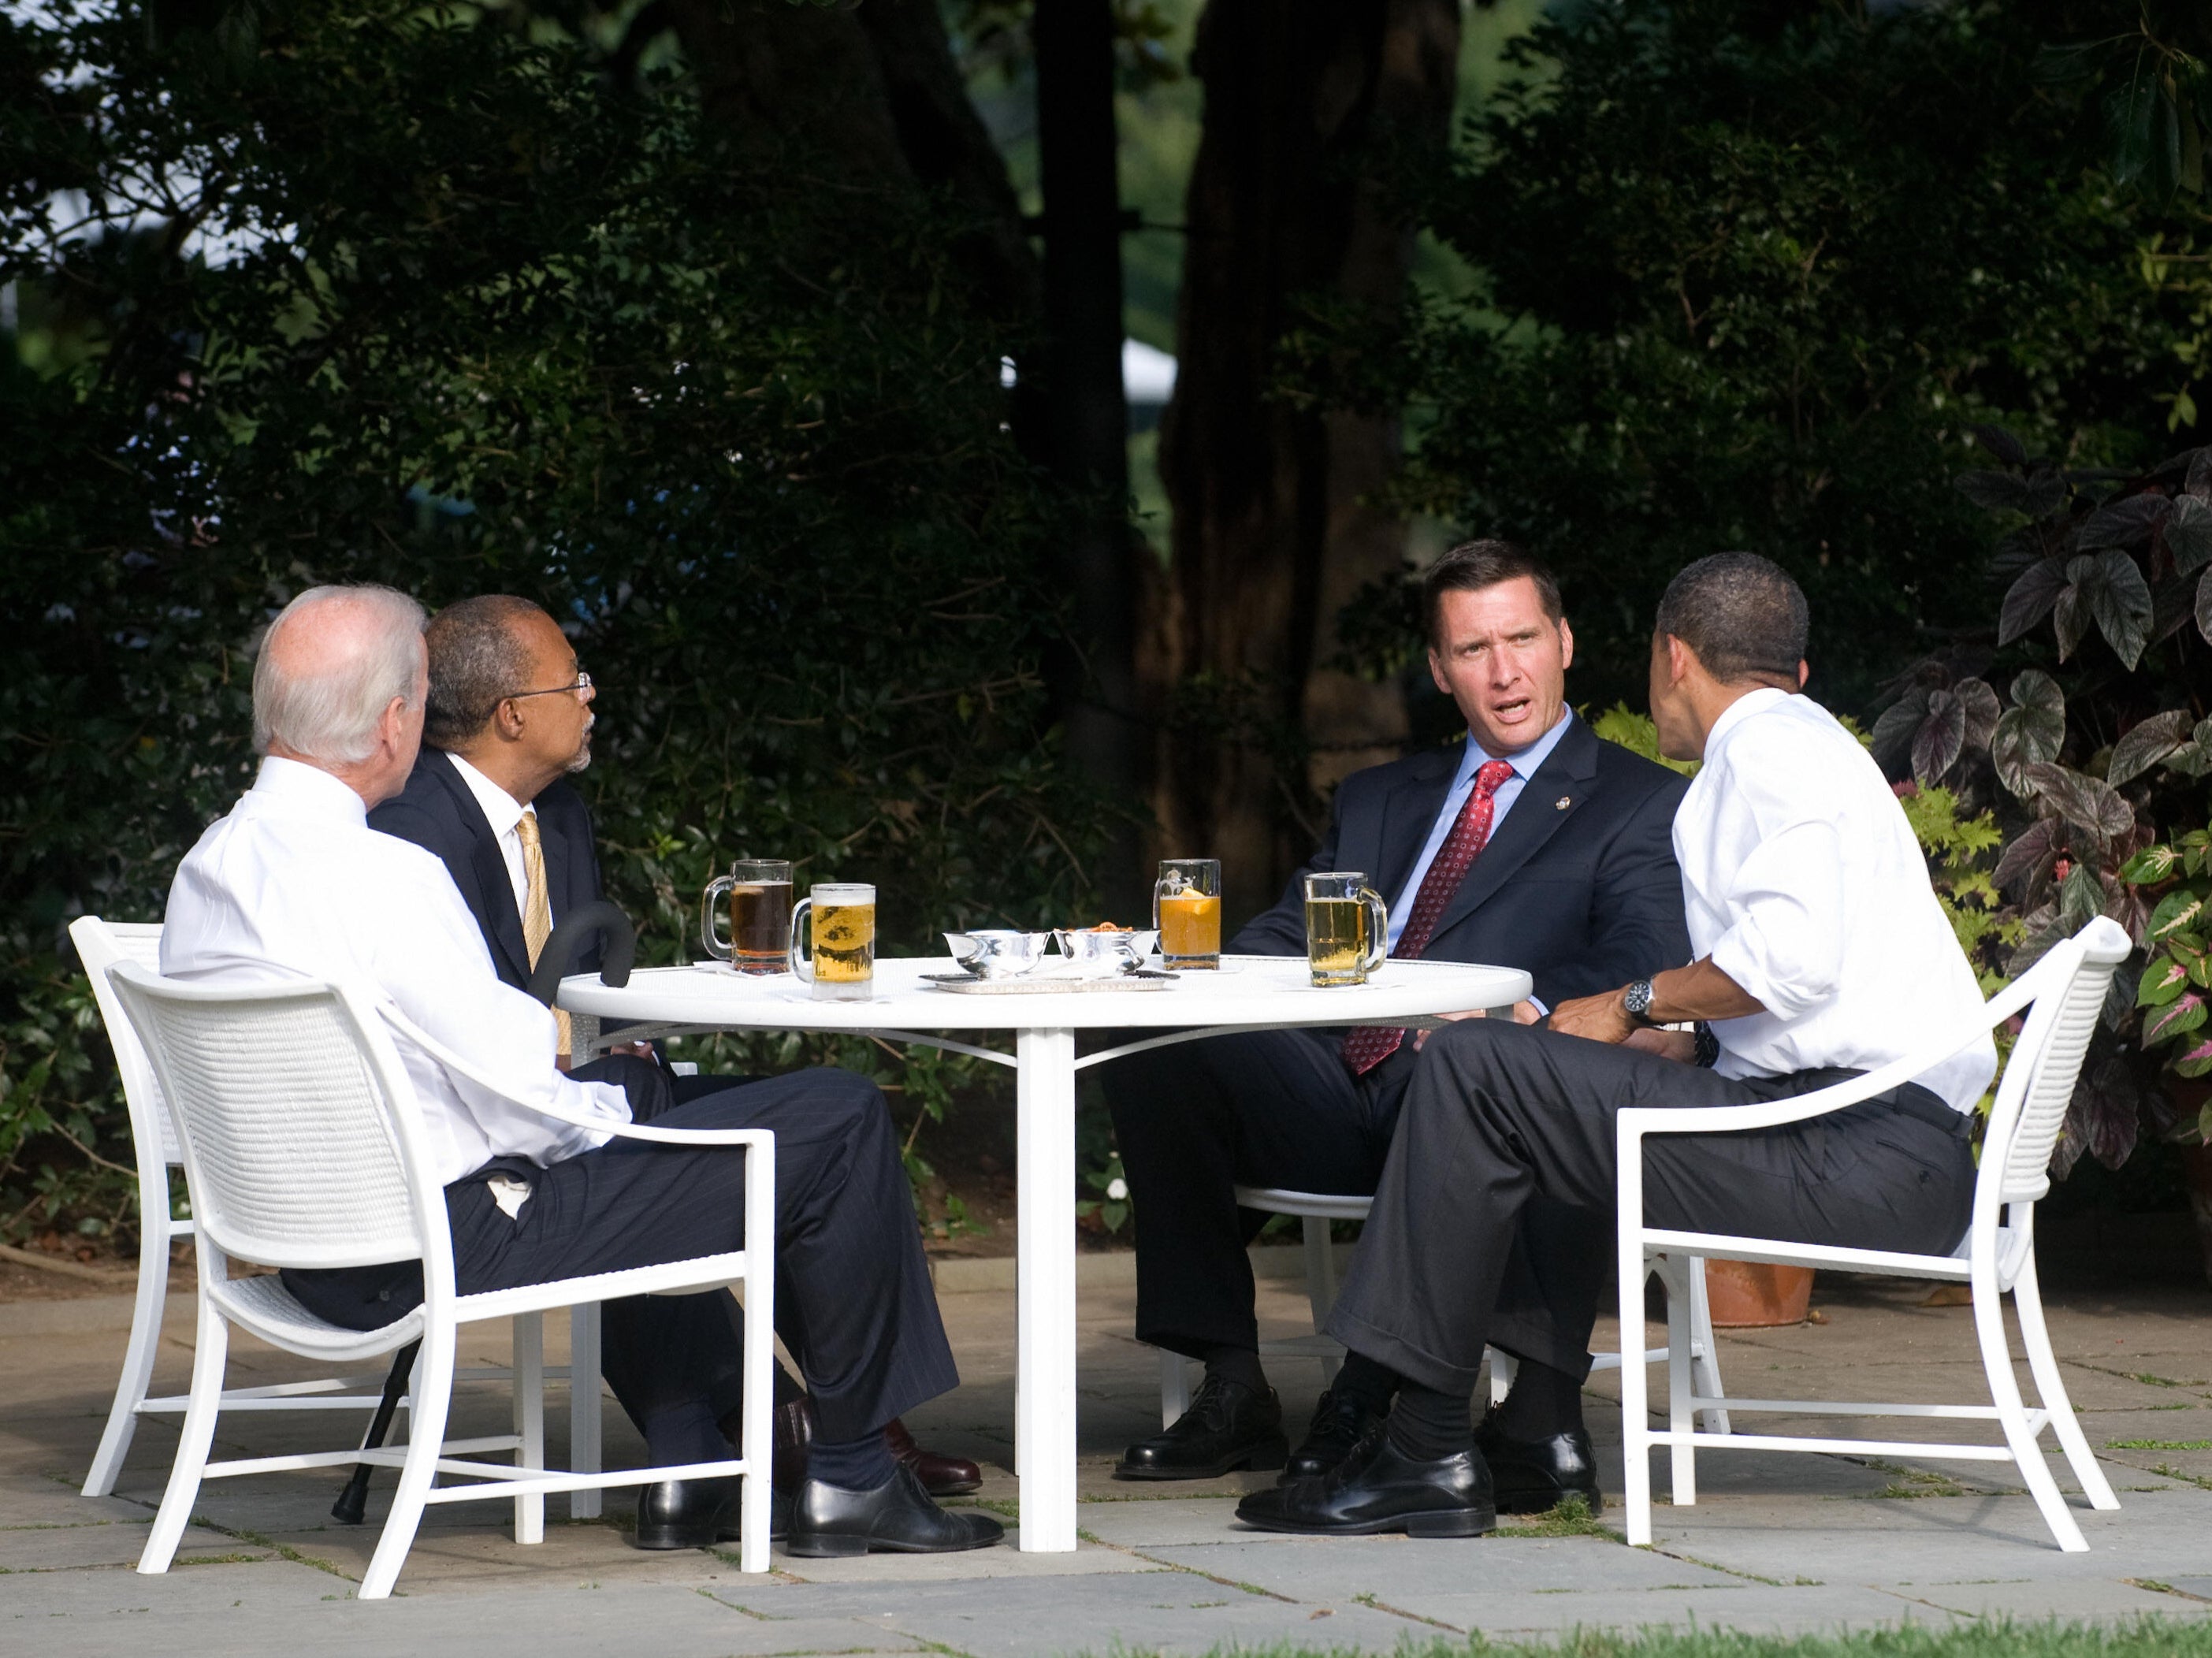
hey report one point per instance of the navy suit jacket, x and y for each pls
(1577, 887)
(437, 811)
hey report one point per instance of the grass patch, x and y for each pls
(2148, 1638)
(1572, 1518)
(2158, 1444)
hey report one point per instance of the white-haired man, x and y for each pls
(293, 881)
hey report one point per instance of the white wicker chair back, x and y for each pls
(100, 944)
(286, 1129)
(2071, 1016)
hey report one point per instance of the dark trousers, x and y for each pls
(1266, 1108)
(1499, 1118)
(853, 1300)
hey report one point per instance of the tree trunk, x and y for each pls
(1087, 413)
(874, 95)
(1273, 528)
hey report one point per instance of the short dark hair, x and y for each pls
(477, 658)
(1742, 614)
(1474, 565)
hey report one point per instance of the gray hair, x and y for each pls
(478, 660)
(1742, 614)
(327, 708)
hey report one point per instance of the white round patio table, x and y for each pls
(1251, 993)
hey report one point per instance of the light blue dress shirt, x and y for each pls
(1524, 766)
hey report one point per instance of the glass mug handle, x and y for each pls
(1159, 891)
(802, 962)
(1378, 916)
(709, 940)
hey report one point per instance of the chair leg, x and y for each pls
(1706, 1355)
(2012, 1414)
(1502, 1368)
(529, 1421)
(138, 1358)
(433, 1397)
(1680, 1418)
(2050, 1389)
(211, 1354)
(584, 1404)
(1174, 1386)
(1321, 1284)
(1635, 1394)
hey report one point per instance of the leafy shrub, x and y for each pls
(404, 294)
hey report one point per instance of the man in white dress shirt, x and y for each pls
(293, 883)
(1819, 953)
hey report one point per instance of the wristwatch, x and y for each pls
(1636, 1002)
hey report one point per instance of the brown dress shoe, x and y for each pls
(940, 1476)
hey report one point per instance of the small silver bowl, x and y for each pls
(1098, 954)
(997, 952)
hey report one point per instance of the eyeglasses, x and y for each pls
(583, 684)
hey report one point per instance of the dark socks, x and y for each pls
(1428, 1426)
(851, 1464)
(685, 1433)
(1373, 1385)
(1237, 1365)
(1543, 1402)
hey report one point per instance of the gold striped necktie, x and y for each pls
(537, 908)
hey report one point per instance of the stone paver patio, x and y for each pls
(1776, 1544)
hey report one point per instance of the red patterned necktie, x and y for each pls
(1370, 1044)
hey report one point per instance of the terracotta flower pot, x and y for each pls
(1747, 1295)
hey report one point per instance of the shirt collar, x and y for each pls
(1741, 709)
(501, 810)
(1524, 762)
(304, 791)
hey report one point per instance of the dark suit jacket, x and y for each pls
(1577, 887)
(436, 812)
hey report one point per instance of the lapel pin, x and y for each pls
(1561, 804)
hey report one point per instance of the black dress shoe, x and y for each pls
(897, 1517)
(1227, 1426)
(1376, 1489)
(1535, 1476)
(694, 1514)
(1340, 1421)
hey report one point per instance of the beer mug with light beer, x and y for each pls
(759, 915)
(1347, 928)
(1187, 910)
(840, 960)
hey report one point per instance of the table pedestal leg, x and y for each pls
(1044, 1406)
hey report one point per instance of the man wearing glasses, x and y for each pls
(507, 722)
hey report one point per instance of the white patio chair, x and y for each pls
(303, 1147)
(101, 945)
(2065, 992)
(1684, 1281)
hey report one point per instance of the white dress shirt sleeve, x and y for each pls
(1784, 908)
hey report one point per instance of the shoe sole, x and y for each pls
(965, 1488)
(836, 1545)
(1260, 1458)
(1437, 1522)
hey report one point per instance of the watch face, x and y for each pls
(1638, 1001)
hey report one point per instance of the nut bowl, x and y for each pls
(997, 952)
(1103, 953)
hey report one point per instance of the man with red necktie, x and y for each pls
(1534, 844)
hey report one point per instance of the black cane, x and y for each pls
(597, 919)
(353, 1501)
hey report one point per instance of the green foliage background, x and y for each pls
(395, 294)
(1744, 277)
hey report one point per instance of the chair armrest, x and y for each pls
(620, 1128)
(1635, 1122)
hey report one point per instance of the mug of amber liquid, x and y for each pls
(759, 915)
(1187, 910)
(1347, 928)
(840, 962)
